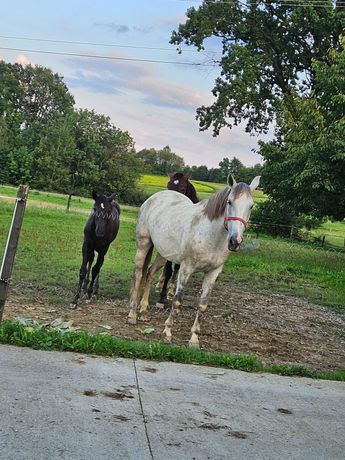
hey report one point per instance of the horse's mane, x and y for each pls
(215, 206)
(108, 215)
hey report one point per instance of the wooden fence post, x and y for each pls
(11, 245)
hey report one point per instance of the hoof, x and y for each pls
(167, 340)
(72, 306)
(143, 318)
(131, 320)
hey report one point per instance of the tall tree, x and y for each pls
(161, 161)
(305, 165)
(267, 52)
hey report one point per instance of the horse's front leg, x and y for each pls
(182, 280)
(207, 286)
(142, 259)
(94, 285)
(89, 265)
(87, 254)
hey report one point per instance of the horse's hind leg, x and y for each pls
(182, 280)
(207, 286)
(142, 260)
(157, 264)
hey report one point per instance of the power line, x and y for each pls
(114, 58)
(113, 45)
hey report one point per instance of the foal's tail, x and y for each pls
(145, 268)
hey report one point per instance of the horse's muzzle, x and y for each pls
(233, 244)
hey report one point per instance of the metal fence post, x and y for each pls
(11, 245)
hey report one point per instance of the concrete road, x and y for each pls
(71, 406)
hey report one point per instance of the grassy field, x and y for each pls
(152, 183)
(49, 256)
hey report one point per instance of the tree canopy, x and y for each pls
(163, 161)
(46, 142)
(305, 165)
(267, 53)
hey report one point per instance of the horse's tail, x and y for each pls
(145, 267)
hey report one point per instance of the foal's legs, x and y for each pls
(166, 277)
(88, 255)
(89, 265)
(142, 259)
(157, 264)
(172, 287)
(182, 280)
(207, 285)
(94, 285)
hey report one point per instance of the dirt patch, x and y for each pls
(90, 393)
(276, 328)
(238, 434)
(118, 394)
(212, 426)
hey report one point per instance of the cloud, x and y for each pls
(24, 60)
(123, 28)
(118, 28)
(113, 77)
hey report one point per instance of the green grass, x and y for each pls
(59, 200)
(106, 345)
(49, 252)
(49, 257)
(334, 232)
(288, 267)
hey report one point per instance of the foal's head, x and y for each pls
(103, 211)
(178, 182)
(237, 211)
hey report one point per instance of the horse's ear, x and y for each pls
(94, 195)
(231, 181)
(187, 176)
(111, 197)
(255, 182)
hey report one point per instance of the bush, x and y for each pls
(134, 196)
(275, 219)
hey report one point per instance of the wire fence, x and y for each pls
(293, 232)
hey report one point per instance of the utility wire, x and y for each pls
(113, 58)
(113, 45)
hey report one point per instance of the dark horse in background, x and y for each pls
(178, 182)
(100, 230)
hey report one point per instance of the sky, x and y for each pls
(155, 102)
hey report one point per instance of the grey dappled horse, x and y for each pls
(198, 237)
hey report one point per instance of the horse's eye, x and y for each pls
(251, 206)
(229, 202)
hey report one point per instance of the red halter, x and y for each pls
(237, 218)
